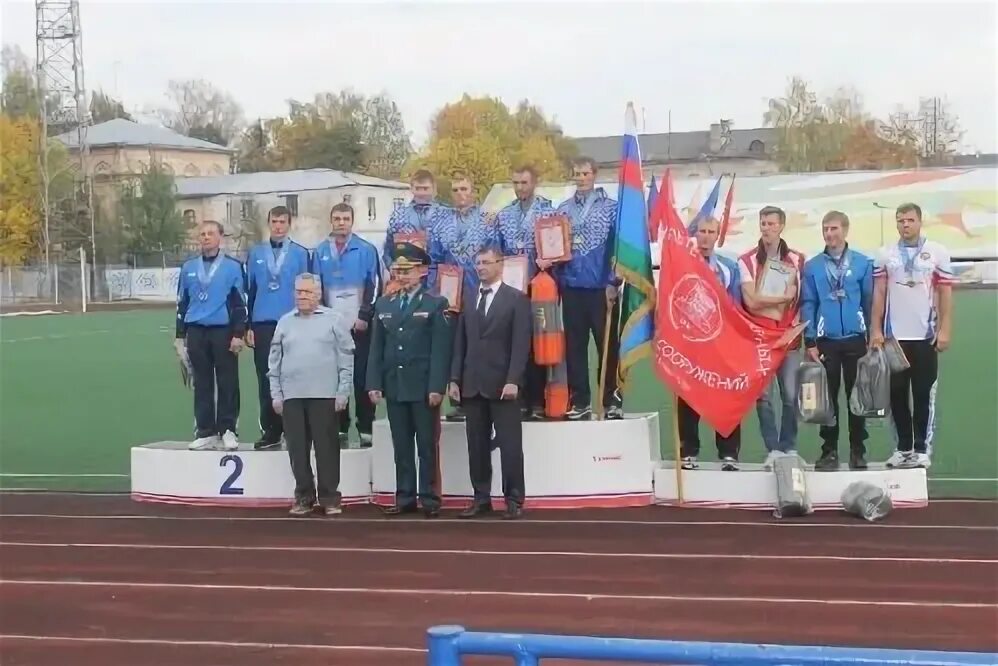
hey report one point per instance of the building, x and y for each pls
(121, 151)
(241, 202)
(690, 154)
(120, 148)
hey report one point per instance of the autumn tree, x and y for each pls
(482, 137)
(833, 134)
(20, 186)
(199, 109)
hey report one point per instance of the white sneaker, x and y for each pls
(914, 460)
(229, 441)
(898, 459)
(204, 443)
(771, 459)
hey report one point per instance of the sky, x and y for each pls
(581, 62)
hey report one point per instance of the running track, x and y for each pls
(94, 580)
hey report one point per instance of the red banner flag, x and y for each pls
(707, 351)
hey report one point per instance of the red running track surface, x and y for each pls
(101, 580)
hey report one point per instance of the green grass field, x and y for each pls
(77, 391)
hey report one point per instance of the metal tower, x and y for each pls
(69, 220)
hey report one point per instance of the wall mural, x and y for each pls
(959, 206)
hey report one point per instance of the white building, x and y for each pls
(241, 202)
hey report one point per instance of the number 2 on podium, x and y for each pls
(227, 488)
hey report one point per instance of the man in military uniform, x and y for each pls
(408, 367)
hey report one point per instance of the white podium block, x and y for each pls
(168, 472)
(567, 464)
(751, 487)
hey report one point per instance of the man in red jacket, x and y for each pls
(771, 280)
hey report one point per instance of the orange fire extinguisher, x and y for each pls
(549, 332)
(556, 391)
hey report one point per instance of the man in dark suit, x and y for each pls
(491, 348)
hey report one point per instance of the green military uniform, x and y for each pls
(409, 359)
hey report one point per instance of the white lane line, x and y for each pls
(225, 644)
(526, 521)
(435, 592)
(500, 553)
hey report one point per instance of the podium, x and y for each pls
(567, 464)
(170, 473)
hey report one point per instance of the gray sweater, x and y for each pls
(311, 356)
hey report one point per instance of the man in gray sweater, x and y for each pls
(311, 377)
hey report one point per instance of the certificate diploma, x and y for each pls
(514, 272)
(449, 281)
(553, 238)
(414, 237)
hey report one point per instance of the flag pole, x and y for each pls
(677, 448)
(600, 407)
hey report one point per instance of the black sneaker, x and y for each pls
(302, 507)
(614, 413)
(729, 464)
(579, 414)
(828, 462)
(267, 444)
(857, 461)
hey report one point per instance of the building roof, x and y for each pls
(676, 146)
(121, 132)
(269, 182)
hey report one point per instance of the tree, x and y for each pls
(149, 216)
(198, 106)
(480, 136)
(832, 135)
(103, 107)
(343, 130)
(934, 131)
(20, 185)
(20, 96)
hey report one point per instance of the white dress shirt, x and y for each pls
(488, 297)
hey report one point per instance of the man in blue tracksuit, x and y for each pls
(350, 274)
(211, 323)
(458, 236)
(836, 300)
(588, 287)
(271, 269)
(515, 227)
(419, 216)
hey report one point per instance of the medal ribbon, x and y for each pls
(275, 260)
(578, 217)
(204, 277)
(836, 270)
(909, 259)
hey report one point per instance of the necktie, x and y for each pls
(405, 301)
(482, 301)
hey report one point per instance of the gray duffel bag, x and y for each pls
(792, 498)
(866, 500)
(814, 405)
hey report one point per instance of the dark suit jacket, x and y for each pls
(491, 353)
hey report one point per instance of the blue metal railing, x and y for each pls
(448, 643)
